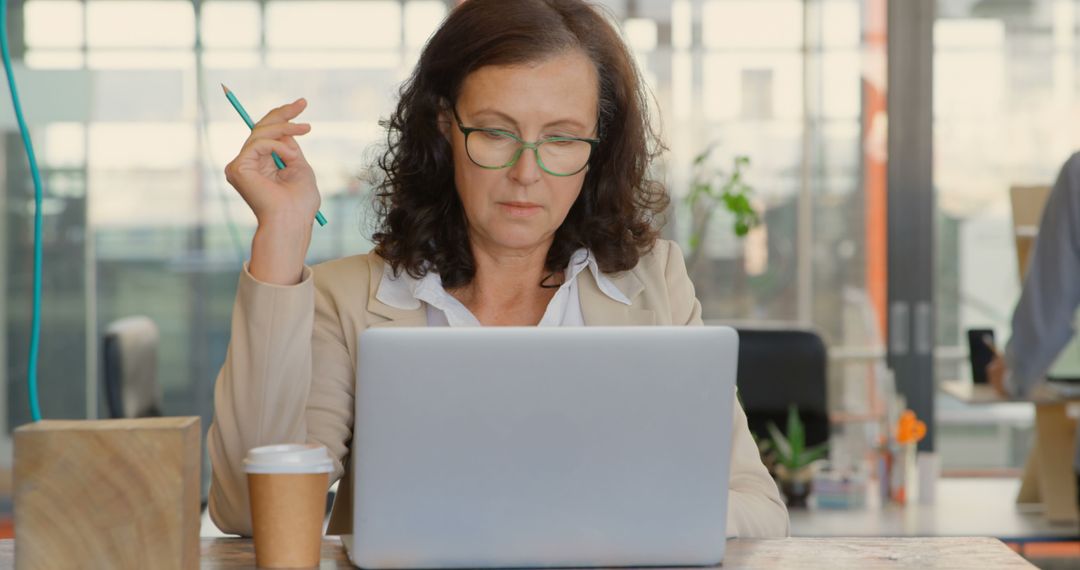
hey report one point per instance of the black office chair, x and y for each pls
(130, 368)
(779, 367)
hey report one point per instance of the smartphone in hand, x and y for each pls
(980, 353)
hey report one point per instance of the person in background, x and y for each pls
(1043, 321)
(516, 191)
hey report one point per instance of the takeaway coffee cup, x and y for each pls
(287, 485)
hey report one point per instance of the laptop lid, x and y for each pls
(524, 447)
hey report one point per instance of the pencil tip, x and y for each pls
(226, 89)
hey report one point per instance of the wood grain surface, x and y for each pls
(109, 494)
(797, 553)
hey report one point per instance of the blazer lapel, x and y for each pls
(394, 317)
(600, 310)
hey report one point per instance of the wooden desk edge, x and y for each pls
(976, 553)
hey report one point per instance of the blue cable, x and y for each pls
(35, 330)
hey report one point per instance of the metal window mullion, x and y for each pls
(911, 205)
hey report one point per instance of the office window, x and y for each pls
(307, 24)
(143, 24)
(422, 18)
(53, 24)
(64, 145)
(54, 34)
(1005, 94)
(757, 94)
(752, 24)
(159, 231)
(231, 24)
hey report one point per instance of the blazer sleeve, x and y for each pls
(287, 378)
(754, 506)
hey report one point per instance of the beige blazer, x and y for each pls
(290, 369)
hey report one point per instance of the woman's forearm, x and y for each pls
(279, 249)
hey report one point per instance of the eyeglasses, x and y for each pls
(495, 149)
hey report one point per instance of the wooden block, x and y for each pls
(1057, 480)
(1029, 483)
(113, 494)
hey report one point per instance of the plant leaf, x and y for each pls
(711, 187)
(813, 454)
(780, 443)
(699, 159)
(796, 435)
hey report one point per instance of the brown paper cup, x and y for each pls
(287, 512)
(287, 486)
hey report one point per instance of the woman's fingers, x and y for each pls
(283, 113)
(995, 373)
(292, 144)
(249, 168)
(252, 168)
(279, 130)
(266, 146)
(260, 148)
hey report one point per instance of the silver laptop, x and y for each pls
(554, 447)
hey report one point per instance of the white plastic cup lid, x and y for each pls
(289, 458)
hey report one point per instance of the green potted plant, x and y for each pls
(791, 461)
(711, 188)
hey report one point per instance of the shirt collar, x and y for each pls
(403, 291)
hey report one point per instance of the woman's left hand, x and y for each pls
(995, 373)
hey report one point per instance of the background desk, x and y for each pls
(963, 507)
(1049, 478)
(854, 553)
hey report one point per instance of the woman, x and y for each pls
(516, 192)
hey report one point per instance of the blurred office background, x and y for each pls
(133, 133)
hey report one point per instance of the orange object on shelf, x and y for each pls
(909, 429)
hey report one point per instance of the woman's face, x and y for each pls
(521, 206)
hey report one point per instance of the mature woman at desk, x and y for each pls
(516, 191)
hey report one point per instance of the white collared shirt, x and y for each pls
(443, 309)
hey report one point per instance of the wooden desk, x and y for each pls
(838, 554)
(1049, 479)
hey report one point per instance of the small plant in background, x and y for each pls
(791, 460)
(712, 187)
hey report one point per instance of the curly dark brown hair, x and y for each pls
(421, 226)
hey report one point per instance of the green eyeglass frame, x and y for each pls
(534, 146)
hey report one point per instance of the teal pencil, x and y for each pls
(251, 125)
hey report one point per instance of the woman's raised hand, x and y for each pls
(271, 192)
(284, 201)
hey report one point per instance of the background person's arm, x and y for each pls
(754, 506)
(1042, 323)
